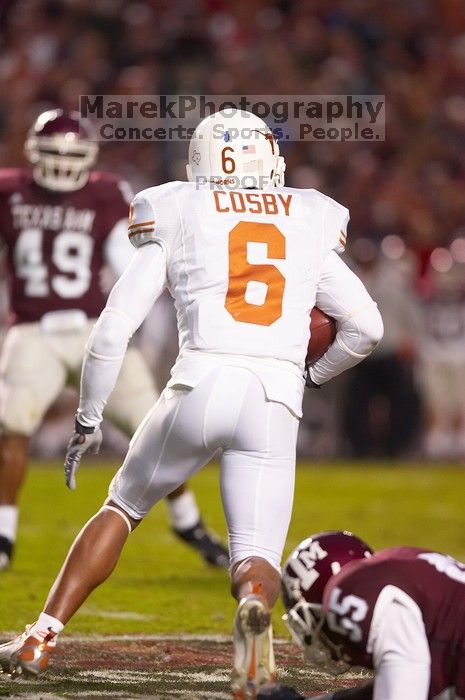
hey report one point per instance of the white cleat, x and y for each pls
(26, 655)
(254, 664)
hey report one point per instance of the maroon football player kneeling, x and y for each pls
(399, 611)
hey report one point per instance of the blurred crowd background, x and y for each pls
(406, 194)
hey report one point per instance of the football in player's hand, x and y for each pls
(322, 333)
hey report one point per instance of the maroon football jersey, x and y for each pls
(434, 581)
(55, 241)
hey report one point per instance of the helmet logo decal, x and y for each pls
(304, 564)
(196, 157)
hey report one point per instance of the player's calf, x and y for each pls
(255, 575)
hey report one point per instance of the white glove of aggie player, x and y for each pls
(82, 440)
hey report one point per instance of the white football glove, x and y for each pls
(82, 440)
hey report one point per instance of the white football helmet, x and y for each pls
(235, 148)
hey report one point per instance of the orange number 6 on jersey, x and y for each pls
(241, 272)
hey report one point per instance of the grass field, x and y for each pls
(160, 587)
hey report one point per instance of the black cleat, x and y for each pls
(6, 553)
(206, 544)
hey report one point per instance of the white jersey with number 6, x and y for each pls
(243, 268)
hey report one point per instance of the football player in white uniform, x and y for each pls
(245, 259)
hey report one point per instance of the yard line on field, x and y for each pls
(213, 638)
(82, 638)
(216, 676)
(88, 611)
(37, 696)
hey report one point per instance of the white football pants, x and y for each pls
(35, 366)
(226, 411)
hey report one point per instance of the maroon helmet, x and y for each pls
(305, 575)
(61, 147)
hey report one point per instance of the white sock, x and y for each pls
(8, 522)
(44, 624)
(183, 511)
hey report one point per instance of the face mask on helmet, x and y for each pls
(61, 148)
(236, 149)
(305, 575)
(305, 623)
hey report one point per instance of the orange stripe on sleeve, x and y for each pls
(141, 223)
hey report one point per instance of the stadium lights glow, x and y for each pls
(393, 247)
(441, 260)
(457, 249)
